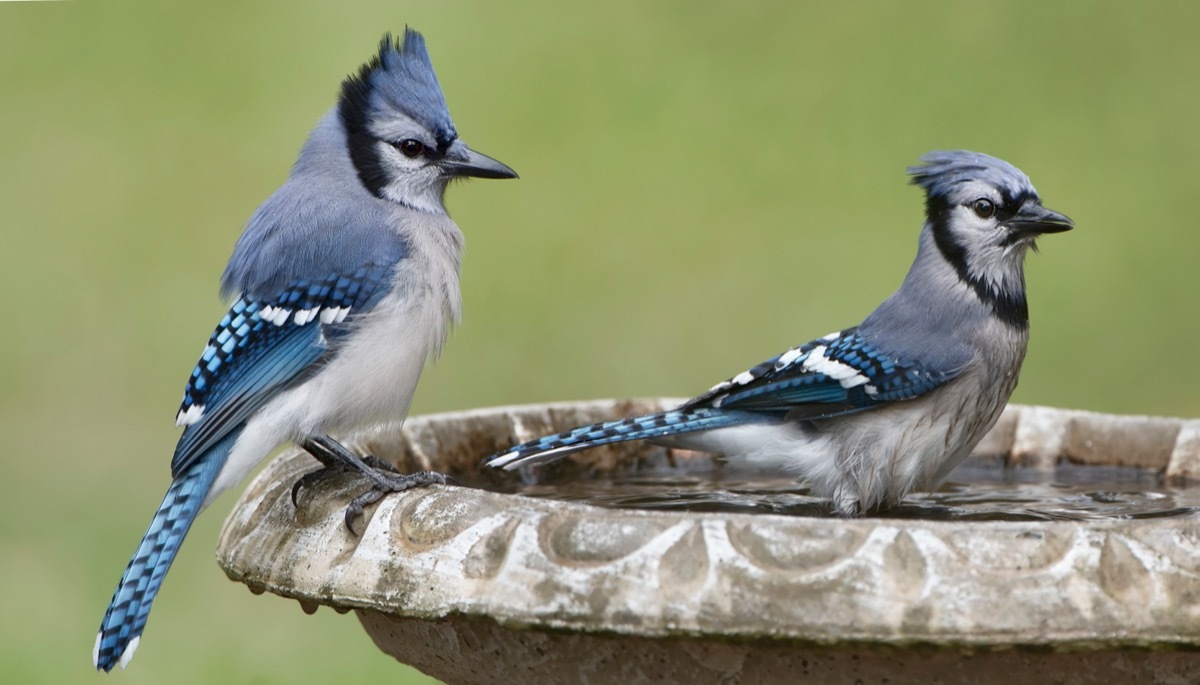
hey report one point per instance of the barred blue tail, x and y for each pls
(554, 447)
(121, 629)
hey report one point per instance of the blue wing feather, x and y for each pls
(839, 374)
(842, 373)
(262, 347)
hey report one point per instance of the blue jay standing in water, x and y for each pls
(870, 413)
(346, 281)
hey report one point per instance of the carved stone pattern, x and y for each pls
(457, 552)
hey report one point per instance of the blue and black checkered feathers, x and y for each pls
(308, 266)
(263, 347)
(842, 373)
(260, 348)
(315, 259)
(125, 619)
(960, 308)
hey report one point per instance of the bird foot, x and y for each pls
(385, 478)
(330, 468)
(386, 485)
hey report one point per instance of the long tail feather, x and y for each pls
(123, 623)
(554, 447)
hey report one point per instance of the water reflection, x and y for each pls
(978, 491)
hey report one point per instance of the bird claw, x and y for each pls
(309, 479)
(385, 478)
(306, 481)
(388, 484)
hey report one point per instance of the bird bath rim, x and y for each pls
(445, 555)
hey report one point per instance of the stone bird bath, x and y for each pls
(474, 586)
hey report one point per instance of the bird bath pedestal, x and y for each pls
(472, 586)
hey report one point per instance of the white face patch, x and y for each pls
(989, 259)
(846, 375)
(396, 125)
(419, 189)
(414, 182)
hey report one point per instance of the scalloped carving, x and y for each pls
(737, 578)
(1181, 546)
(797, 546)
(684, 565)
(577, 538)
(486, 557)
(905, 568)
(1029, 548)
(1122, 575)
(436, 515)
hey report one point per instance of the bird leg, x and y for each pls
(384, 477)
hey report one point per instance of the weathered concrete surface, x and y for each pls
(471, 585)
(1043, 436)
(474, 651)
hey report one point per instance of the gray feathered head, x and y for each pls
(400, 78)
(941, 173)
(983, 213)
(399, 134)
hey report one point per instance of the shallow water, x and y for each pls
(975, 492)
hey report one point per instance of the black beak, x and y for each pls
(475, 164)
(1034, 219)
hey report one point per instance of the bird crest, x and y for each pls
(941, 172)
(398, 79)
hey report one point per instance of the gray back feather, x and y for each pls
(324, 221)
(932, 318)
(321, 222)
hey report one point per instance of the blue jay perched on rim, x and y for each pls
(870, 413)
(346, 282)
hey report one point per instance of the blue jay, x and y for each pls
(869, 413)
(346, 281)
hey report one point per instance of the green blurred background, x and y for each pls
(702, 185)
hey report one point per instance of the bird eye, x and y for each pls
(984, 208)
(410, 148)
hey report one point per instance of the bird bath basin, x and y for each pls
(1061, 552)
